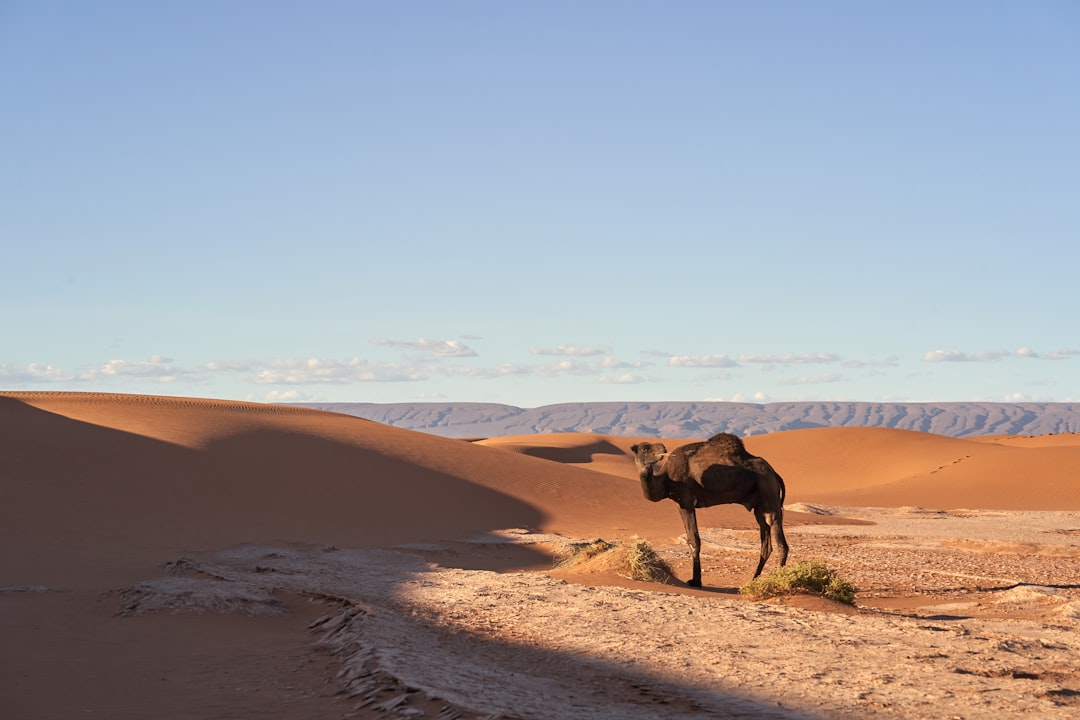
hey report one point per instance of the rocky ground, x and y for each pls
(959, 614)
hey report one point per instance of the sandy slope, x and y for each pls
(881, 467)
(178, 474)
(101, 490)
(873, 466)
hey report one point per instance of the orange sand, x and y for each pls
(99, 490)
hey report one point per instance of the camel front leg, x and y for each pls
(693, 539)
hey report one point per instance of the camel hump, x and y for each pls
(728, 444)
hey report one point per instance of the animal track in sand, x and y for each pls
(957, 461)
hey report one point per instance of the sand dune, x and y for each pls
(87, 473)
(871, 466)
(893, 468)
(100, 491)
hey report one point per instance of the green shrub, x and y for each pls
(811, 575)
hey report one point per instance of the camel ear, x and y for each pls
(633, 448)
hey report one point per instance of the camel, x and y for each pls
(718, 471)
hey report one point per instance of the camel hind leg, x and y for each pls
(771, 527)
(779, 537)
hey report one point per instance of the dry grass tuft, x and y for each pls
(581, 552)
(813, 576)
(644, 564)
(635, 559)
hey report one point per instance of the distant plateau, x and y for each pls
(702, 419)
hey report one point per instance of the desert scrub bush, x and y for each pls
(635, 559)
(811, 575)
(580, 552)
(642, 562)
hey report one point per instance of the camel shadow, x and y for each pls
(718, 590)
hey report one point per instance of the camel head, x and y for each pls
(649, 459)
(648, 455)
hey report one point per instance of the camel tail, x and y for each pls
(783, 490)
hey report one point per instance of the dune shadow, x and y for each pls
(573, 455)
(78, 493)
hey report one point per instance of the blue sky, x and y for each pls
(541, 202)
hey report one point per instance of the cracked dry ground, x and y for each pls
(959, 615)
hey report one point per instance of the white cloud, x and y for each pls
(715, 377)
(1018, 397)
(453, 348)
(430, 397)
(813, 379)
(570, 350)
(982, 355)
(790, 358)
(156, 369)
(550, 370)
(286, 396)
(437, 348)
(481, 373)
(566, 367)
(758, 397)
(707, 361)
(32, 373)
(229, 366)
(315, 370)
(946, 356)
(610, 363)
(624, 379)
(887, 361)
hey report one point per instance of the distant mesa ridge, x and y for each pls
(702, 419)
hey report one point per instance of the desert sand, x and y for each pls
(184, 558)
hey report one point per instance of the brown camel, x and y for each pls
(715, 472)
